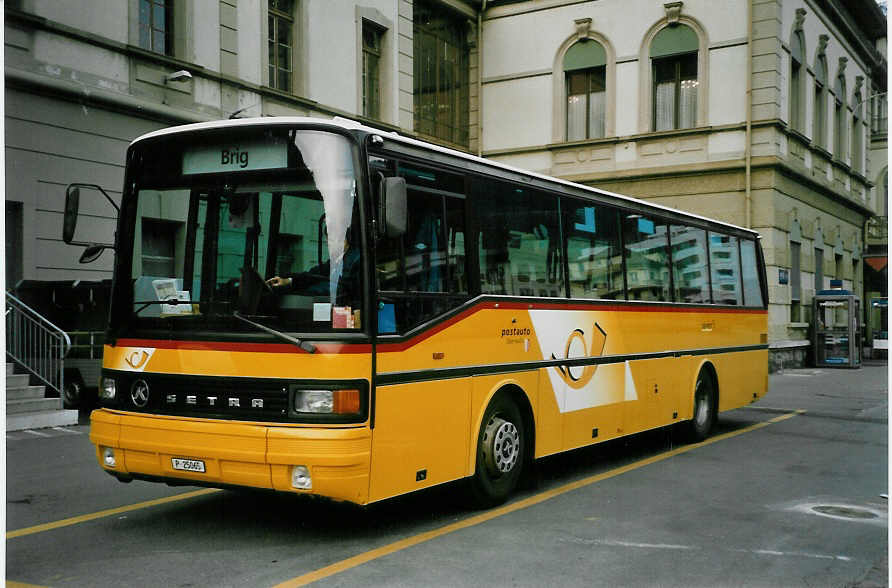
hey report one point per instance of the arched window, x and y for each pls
(673, 54)
(585, 70)
(820, 113)
(797, 104)
(839, 118)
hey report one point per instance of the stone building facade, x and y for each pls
(762, 113)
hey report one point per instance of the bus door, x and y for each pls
(422, 419)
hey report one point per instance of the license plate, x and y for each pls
(188, 465)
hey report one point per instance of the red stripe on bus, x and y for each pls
(333, 348)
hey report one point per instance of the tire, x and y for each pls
(501, 453)
(705, 409)
(73, 394)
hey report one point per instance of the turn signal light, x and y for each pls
(346, 401)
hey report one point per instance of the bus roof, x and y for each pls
(351, 125)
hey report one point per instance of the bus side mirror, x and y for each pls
(69, 222)
(392, 210)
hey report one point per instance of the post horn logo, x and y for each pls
(577, 377)
(137, 359)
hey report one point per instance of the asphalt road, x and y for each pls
(786, 493)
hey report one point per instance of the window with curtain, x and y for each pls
(585, 71)
(796, 60)
(281, 43)
(674, 55)
(820, 111)
(155, 24)
(441, 73)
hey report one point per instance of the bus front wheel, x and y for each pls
(705, 408)
(501, 443)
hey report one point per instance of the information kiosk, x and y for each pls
(837, 328)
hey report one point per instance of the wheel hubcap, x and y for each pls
(501, 446)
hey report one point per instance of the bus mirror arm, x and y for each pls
(93, 251)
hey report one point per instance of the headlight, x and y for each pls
(327, 401)
(108, 389)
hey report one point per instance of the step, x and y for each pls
(41, 420)
(24, 392)
(16, 380)
(10, 368)
(32, 405)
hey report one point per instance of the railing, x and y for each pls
(35, 343)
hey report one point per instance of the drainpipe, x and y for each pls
(480, 79)
(748, 148)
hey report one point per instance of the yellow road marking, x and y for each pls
(106, 513)
(358, 560)
(11, 584)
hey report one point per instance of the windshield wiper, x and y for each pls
(305, 345)
(148, 303)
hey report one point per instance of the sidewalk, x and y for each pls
(818, 391)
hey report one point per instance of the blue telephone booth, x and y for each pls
(837, 329)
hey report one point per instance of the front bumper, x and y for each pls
(236, 453)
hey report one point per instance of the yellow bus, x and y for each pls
(320, 307)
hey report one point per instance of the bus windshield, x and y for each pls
(261, 226)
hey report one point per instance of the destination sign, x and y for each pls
(235, 157)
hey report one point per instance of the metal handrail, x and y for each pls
(35, 343)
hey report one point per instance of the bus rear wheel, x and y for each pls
(501, 445)
(705, 409)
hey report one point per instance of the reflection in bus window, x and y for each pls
(724, 263)
(690, 270)
(594, 253)
(647, 258)
(752, 290)
(520, 242)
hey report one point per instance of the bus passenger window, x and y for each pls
(647, 258)
(594, 253)
(690, 270)
(520, 242)
(752, 290)
(421, 274)
(724, 263)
